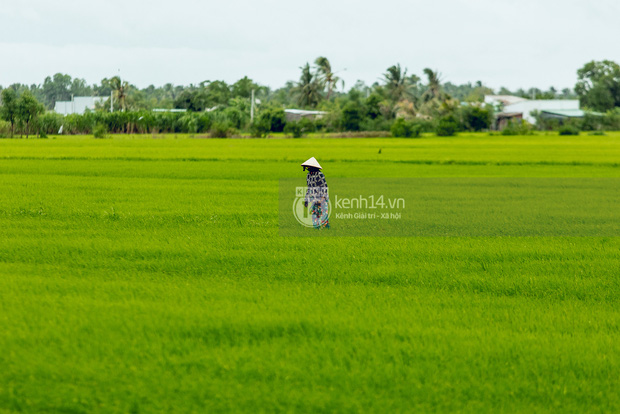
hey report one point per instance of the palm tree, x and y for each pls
(308, 88)
(395, 82)
(434, 85)
(120, 89)
(327, 76)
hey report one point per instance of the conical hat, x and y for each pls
(312, 162)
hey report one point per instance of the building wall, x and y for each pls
(542, 104)
(78, 105)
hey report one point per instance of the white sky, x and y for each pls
(512, 43)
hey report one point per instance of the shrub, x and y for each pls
(405, 129)
(591, 122)
(261, 127)
(376, 124)
(100, 131)
(446, 127)
(235, 117)
(611, 120)
(294, 128)
(188, 123)
(275, 118)
(596, 133)
(474, 118)
(203, 122)
(568, 130)
(220, 130)
(307, 125)
(520, 127)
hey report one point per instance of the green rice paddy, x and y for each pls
(146, 275)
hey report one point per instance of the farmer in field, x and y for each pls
(317, 195)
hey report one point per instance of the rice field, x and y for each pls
(149, 275)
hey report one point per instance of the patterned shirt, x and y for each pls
(317, 187)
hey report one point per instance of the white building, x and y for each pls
(297, 114)
(78, 105)
(502, 99)
(526, 107)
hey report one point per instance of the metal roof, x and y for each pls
(569, 113)
(304, 112)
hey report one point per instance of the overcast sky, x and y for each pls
(502, 43)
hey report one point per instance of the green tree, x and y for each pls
(433, 88)
(373, 106)
(598, 85)
(243, 88)
(218, 93)
(28, 109)
(395, 82)
(308, 90)
(351, 116)
(56, 88)
(120, 90)
(9, 108)
(80, 88)
(194, 100)
(324, 68)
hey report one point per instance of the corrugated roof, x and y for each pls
(304, 112)
(569, 113)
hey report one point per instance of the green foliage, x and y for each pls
(598, 85)
(50, 122)
(188, 124)
(326, 76)
(100, 131)
(351, 116)
(221, 129)
(307, 125)
(235, 117)
(611, 120)
(295, 129)
(308, 90)
(203, 122)
(261, 127)
(9, 110)
(372, 106)
(377, 124)
(591, 122)
(518, 127)
(446, 126)
(28, 110)
(405, 129)
(193, 100)
(243, 88)
(274, 118)
(475, 118)
(569, 130)
(397, 84)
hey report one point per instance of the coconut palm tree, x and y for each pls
(308, 89)
(433, 90)
(120, 89)
(395, 82)
(327, 76)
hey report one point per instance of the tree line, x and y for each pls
(423, 103)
